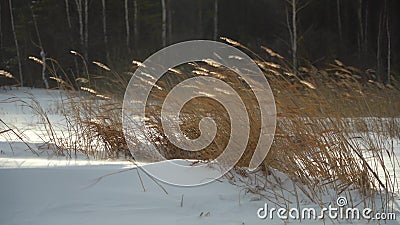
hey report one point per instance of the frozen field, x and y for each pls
(51, 190)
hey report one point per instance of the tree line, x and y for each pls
(363, 33)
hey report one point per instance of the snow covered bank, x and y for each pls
(51, 189)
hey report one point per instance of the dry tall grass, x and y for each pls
(332, 130)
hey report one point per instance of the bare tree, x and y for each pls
(67, 12)
(42, 52)
(79, 9)
(21, 80)
(215, 34)
(339, 20)
(126, 6)
(366, 28)
(86, 28)
(70, 28)
(164, 23)
(383, 53)
(103, 3)
(361, 28)
(1, 33)
(388, 46)
(292, 27)
(200, 18)
(83, 18)
(291, 20)
(135, 24)
(378, 47)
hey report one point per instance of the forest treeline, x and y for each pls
(362, 33)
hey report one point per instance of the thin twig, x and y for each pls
(19, 137)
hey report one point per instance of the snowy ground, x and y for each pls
(49, 190)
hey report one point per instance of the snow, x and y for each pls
(48, 189)
(68, 196)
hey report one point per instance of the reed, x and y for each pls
(334, 125)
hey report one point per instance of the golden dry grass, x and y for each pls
(324, 120)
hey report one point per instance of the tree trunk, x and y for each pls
(86, 29)
(388, 79)
(80, 19)
(103, 3)
(215, 34)
(339, 21)
(44, 78)
(135, 24)
(67, 12)
(383, 46)
(361, 29)
(366, 29)
(127, 24)
(164, 23)
(169, 21)
(294, 32)
(378, 51)
(42, 52)
(21, 80)
(70, 29)
(1, 36)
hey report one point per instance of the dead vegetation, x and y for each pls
(333, 123)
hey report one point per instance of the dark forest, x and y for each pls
(363, 33)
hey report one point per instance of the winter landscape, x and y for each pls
(131, 115)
